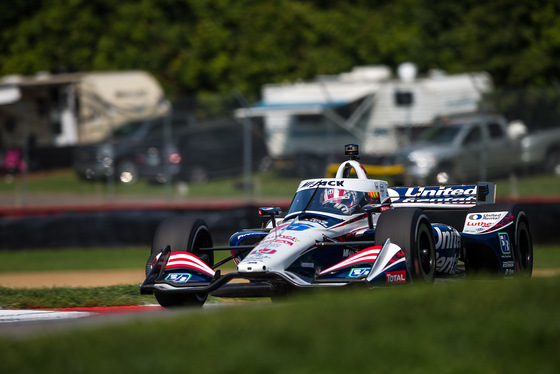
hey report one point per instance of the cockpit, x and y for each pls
(332, 200)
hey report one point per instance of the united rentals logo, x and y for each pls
(451, 194)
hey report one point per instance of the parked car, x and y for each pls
(114, 156)
(461, 149)
(541, 150)
(203, 151)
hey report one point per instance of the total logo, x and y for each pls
(395, 277)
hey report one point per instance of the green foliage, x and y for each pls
(220, 46)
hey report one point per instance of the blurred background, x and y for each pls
(179, 101)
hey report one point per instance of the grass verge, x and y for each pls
(60, 182)
(61, 259)
(463, 327)
(62, 297)
(269, 184)
(95, 258)
(58, 259)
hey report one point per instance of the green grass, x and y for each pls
(546, 257)
(73, 259)
(65, 297)
(127, 258)
(534, 185)
(464, 327)
(270, 184)
(60, 182)
(80, 259)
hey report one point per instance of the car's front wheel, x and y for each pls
(410, 229)
(181, 234)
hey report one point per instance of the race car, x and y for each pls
(347, 231)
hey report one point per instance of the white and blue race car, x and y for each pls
(342, 232)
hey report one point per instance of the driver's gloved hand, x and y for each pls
(342, 207)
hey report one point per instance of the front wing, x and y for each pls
(182, 272)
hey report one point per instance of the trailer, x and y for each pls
(309, 120)
(54, 113)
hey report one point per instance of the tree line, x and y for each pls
(197, 46)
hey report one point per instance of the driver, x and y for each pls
(343, 200)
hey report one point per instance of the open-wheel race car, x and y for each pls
(342, 232)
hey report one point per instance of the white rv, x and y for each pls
(366, 106)
(59, 111)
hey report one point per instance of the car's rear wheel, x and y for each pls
(181, 234)
(481, 259)
(410, 229)
(523, 247)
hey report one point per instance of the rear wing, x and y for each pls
(444, 197)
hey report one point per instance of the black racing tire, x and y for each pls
(410, 229)
(181, 233)
(522, 244)
(523, 247)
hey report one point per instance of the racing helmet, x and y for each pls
(332, 196)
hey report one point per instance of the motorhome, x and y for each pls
(55, 112)
(367, 105)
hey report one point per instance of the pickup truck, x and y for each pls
(540, 151)
(462, 148)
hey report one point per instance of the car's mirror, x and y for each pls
(270, 212)
(374, 208)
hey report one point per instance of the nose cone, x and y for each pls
(251, 267)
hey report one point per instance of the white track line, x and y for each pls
(10, 316)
